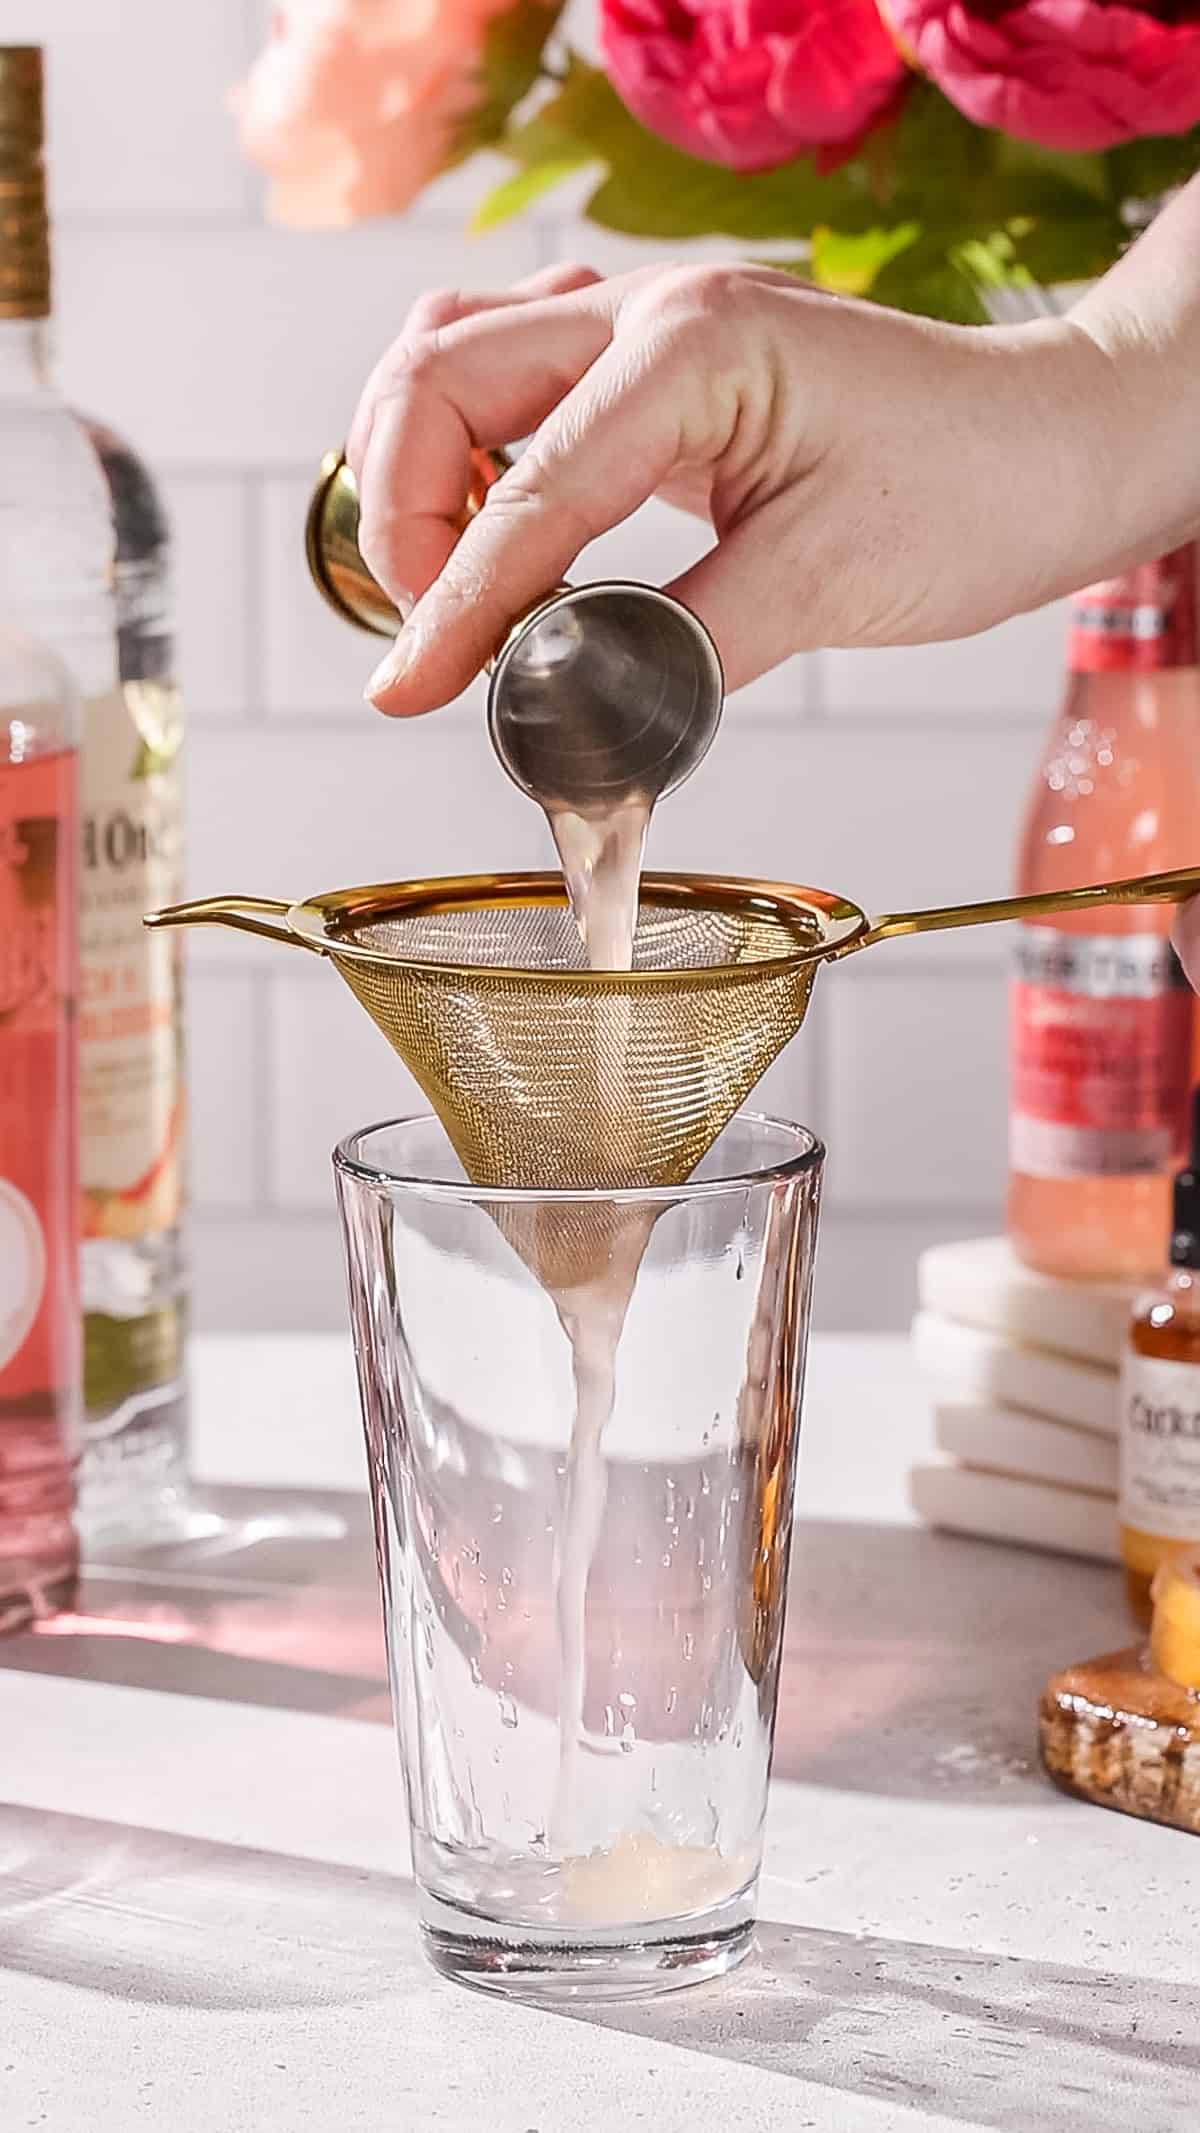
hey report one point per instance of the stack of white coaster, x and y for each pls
(1022, 1371)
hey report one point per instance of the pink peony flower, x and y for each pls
(752, 83)
(352, 106)
(1070, 74)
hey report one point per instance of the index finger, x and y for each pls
(479, 382)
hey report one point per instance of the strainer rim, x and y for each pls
(460, 1190)
(308, 920)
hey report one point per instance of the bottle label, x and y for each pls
(1138, 623)
(1101, 1054)
(130, 1019)
(1160, 1446)
(22, 1269)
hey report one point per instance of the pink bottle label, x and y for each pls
(1101, 1054)
(1138, 623)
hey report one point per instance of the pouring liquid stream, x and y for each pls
(601, 858)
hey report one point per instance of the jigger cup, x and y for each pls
(598, 693)
(585, 1741)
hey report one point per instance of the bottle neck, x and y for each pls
(1143, 622)
(24, 357)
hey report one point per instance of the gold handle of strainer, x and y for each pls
(1170, 888)
(245, 914)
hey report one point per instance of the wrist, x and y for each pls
(1076, 490)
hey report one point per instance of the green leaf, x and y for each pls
(512, 52)
(650, 189)
(849, 263)
(513, 195)
(928, 280)
(1142, 170)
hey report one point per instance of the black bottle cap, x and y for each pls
(1185, 1238)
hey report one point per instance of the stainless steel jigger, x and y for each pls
(598, 692)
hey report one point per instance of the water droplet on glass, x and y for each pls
(628, 1739)
(610, 1721)
(506, 1575)
(476, 1672)
(689, 1645)
(706, 1583)
(627, 1700)
(665, 1559)
(508, 1710)
(672, 1700)
(497, 1513)
(705, 1485)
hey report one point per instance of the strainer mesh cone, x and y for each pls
(550, 1076)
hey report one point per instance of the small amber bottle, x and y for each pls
(1160, 1403)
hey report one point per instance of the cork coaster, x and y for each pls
(1115, 1732)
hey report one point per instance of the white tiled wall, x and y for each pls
(231, 354)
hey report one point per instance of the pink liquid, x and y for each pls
(1118, 793)
(39, 1293)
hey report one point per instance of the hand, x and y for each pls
(871, 478)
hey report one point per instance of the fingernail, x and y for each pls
(391, 667)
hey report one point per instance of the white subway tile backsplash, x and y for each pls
(329, 1072)
(867, 1270)
(277, 813)
(1013, 670)
(272, 1274)
(890, 818)
(136, 97)
(917, 1090)
(224, 1090)
(215, 592)
(248, 347)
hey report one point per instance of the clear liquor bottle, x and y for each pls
(75, 546)
(134, 1269)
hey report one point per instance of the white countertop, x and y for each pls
(206, 1924)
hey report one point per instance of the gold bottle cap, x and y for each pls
(24, 227)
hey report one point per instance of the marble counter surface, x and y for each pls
(206, 1921)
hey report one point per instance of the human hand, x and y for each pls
(872, 478)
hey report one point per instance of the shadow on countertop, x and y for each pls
(149, 1920)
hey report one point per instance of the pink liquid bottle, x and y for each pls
(40, 1333)
(1101, 1032)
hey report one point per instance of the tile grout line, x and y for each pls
(263, 1109)
(254, 646)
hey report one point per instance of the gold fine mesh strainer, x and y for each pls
(549, 1075)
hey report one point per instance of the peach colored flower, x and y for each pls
(353, 104)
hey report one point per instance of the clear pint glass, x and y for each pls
(581, 1414)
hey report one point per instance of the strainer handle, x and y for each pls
(245, 914)
(1172, 888)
